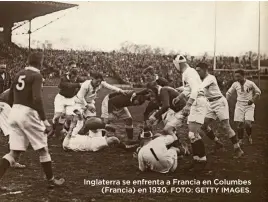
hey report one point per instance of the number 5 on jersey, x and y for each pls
(21, 82)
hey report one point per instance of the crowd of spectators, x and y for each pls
(126, 67)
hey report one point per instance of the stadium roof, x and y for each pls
(17, 11)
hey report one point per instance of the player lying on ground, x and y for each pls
(4, 124)
(196, 109)
(169, 113)
(89, 90)
(247, 93)
(27, 119)
(154, 155)
(90, 135)
(114, 107)
(218, 109)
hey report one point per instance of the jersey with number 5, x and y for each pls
(26, 90)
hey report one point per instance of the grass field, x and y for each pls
(116, 164)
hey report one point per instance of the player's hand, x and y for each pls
(175, 101)
(48, 126)
(186, 110)
(91, 108)
(250, 102)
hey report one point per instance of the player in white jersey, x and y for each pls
(87, 94)
(88, 136)
(218, 109)
(154, 155)
(247, 92)
(4, 124)
(196, 109)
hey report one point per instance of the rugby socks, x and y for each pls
(240, 133)
(249, 130)
(47, 168)
(129, 131)
(234, 141)
(4, 165)
(200, 149)
(46, 165)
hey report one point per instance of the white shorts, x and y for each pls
(63, 104)
(218, 109)
(198, 110)
(84, 143)
(244, 112)
(116, 114)
(4, 113)
(26, 127)
(173, 119)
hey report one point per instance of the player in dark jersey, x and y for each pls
(114, 106)
(28, 120)
(65, 100)
(168, 112)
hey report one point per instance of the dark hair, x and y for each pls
(140, 98)
(240, 71)
(96, 75)
(35, 59)
(74, 72)
(149, 69)
(153, 87)
(202, 65)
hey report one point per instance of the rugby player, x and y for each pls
(87, 94)
(154, 155)
(4, 124)
(65, 99)
(149, 75)
(218, 109)
(27, 119)
(247, 93)
(168, 112)
(89, 136)
(114, 106)
(196, 109)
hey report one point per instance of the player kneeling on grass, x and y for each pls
(154, 155)
(87, 136)
(114, 106)
(4, 125)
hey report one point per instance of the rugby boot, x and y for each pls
(238, 153)
(55, 182)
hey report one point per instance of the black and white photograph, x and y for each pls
(133, 101)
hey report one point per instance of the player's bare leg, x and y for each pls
(225, 124)
(198, 147)
(210, 133)
(240, 132)
(45, 160)
(248, 127)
